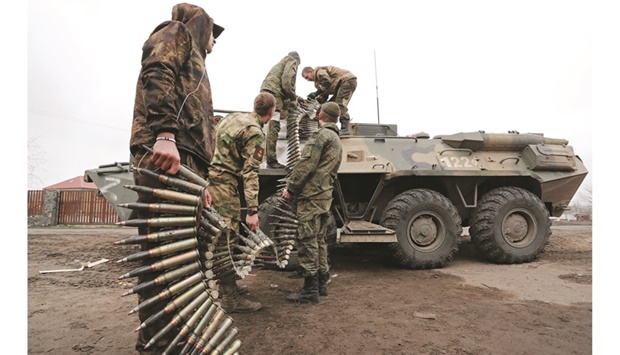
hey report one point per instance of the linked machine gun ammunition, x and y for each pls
(183, 248)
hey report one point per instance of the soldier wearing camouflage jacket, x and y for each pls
(239, 151)
(336, 82)
(238, 154)
(173, 93)
(311, 183)
(172, 115)
(280, 82)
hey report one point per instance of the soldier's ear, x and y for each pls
(269, 115)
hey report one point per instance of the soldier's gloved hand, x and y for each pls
(312, 96)
(302, 102)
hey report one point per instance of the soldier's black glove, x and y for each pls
(312, 96)
(302, 102)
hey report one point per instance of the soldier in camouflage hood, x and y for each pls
(173, 93)
(238, 154)
(280, 82)
(173, 114)
(311, 182)
(334, 81)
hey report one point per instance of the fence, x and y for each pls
(76, 207)
(35, 203)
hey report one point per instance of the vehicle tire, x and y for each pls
(266, 217)
(266, 212)
(510, 226)
(427, 226)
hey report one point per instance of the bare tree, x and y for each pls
(582, 203)
(586, 194)
(35, 159)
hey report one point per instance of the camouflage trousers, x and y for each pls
(226, 201)
(313, 216)
(143, 160)
(343, 97)
(273, 128)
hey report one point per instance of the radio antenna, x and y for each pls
(377, 86)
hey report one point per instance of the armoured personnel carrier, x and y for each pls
(416, 194)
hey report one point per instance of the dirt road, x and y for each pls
(468, 307)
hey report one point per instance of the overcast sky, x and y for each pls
(441, 67)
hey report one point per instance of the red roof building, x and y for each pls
(76, 183)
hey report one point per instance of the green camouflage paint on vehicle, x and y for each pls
(417, 194)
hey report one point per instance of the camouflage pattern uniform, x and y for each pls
(173, 66)
(280, 82)
(173, 93)
(238, 154)
(341, 83)
(311, 183)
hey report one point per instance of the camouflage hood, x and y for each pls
(173, 93)
(197, 21)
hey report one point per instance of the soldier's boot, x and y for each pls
(242, 290)
(310, 291)
(297, 274)
(276, 165)
(324, 279)
(344, 126)
(270, 145)
(233, 303)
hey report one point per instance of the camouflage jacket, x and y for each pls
(327, 79)
(280, 81)
(238, 153)
(314, 174)
(173, 93)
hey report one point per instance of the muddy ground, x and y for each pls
(468, 307)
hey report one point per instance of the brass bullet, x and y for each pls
(175, 182)
(181, 197)
(164, 249)
(162, 236)
(167, 277)
(161, 208)
(164, 264)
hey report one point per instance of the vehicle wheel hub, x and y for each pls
(518, 228)
(423, 231)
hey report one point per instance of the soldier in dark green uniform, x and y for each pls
(311, 183)
(173, 114)
(238, 154)
(280, 82)
(336, 82)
